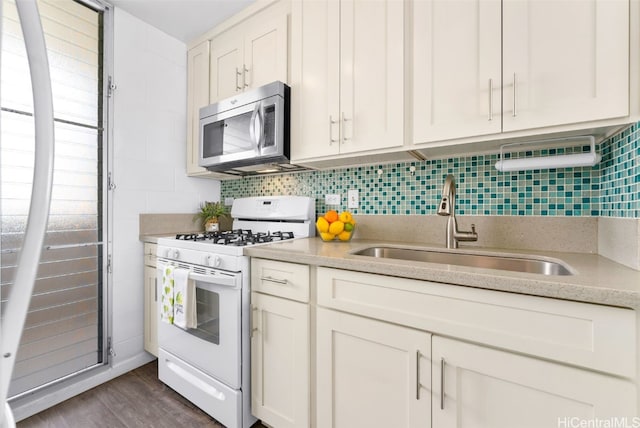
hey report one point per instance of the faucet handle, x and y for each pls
(473, 228)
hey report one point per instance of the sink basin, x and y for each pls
(510, 263)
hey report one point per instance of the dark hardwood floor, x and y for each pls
(135, 399)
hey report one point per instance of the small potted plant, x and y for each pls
(210, 215)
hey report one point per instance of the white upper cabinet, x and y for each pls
(485, 67)
(227, 72)
(197, 97)
(564, 61)
(347, 77)
(249, 55)
(457, 69)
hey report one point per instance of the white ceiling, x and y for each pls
(182, 19)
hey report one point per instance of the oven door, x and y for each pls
(246, 133)
(214, 346)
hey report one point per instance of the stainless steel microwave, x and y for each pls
(248, 133)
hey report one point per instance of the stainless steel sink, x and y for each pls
(510, 263)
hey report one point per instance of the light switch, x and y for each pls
(353, 199)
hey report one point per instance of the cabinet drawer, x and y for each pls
(150, 254)
(287, 280)
(588, 335)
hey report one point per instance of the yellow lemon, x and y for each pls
(327, 236)
(344, 236)
(323, 225)
(348, 227)
(336, 227)
(345, 217)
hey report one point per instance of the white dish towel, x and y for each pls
(184, 302)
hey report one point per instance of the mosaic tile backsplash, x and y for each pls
(610, 189)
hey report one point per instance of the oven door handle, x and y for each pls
(209, 282)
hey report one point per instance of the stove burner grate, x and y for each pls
(237, 237)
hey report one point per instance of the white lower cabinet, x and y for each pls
(371, 373)
(280, 346)
(150, 300)
(480, 387)
(394, 352)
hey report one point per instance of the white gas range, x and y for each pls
(210, 364)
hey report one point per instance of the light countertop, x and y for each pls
(596, 280)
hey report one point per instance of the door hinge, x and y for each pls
(111, 185)
(110, 349)
(110, 86)
(109, 264)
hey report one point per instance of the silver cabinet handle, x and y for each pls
(441, 383)
(515, 112)
(417, 374)
(331, 123)
(245, 70)
(277, 281)
(344, 132)
(490, 99)
(238, 88)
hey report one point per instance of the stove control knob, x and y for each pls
(212, 260)
(175, 254)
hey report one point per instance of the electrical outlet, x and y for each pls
(353, 200)
(228, 201)
(332, 199)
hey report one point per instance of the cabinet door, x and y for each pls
(227, 69)
(197, 97)
(150, 311)
(280, 361)
(456, 69)
(372, 74)
(555, 73)
(371, 373)
(315, 79)
(266, 51)
(487, 388)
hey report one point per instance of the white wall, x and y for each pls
(149, 165)
(149, 131)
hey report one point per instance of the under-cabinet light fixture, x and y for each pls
(549, 162)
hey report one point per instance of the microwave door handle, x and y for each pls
(252, 129)
(260, 119)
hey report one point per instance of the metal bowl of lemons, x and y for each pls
(333, 227)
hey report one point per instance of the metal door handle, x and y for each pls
(418, 375)
(245, 70)
(277, 281)
(331, 123)
(515, 112)
(344, 132)
(441, 383)
(490, 99)
(252, 123)
(238, 88)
